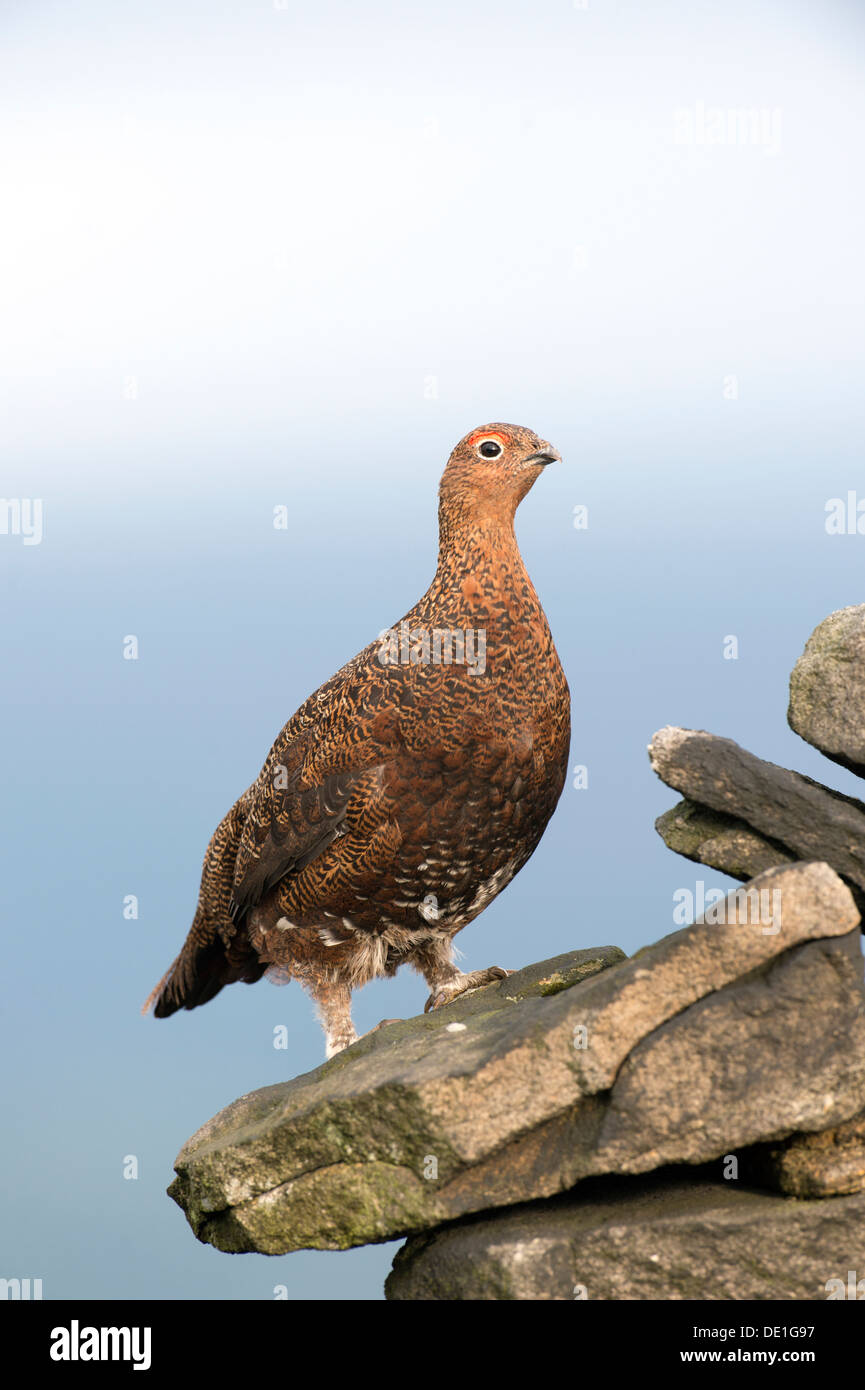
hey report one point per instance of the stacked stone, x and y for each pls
(687, 1123)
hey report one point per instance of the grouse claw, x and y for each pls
(460, 984)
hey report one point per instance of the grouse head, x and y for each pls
(491, 470)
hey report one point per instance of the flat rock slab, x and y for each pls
(805, 818)
(720, 841)
(830, 1163)
(781, 1050)
(521, 1089)
(646, 1239)
(329, 1147)
(827, 689)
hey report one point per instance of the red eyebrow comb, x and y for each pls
(488, 434)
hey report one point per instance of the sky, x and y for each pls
(261, 256)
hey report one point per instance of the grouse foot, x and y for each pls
(451, 988)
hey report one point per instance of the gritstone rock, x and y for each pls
(727, 1033)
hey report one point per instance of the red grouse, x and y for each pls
(407, 792)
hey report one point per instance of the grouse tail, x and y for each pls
(198, 974)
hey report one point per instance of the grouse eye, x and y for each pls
(489, 449)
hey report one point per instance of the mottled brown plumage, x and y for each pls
(407, 792)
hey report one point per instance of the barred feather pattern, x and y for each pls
(402, 796)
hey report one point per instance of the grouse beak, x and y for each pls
(546, 454)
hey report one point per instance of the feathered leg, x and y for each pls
(334, 1009)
